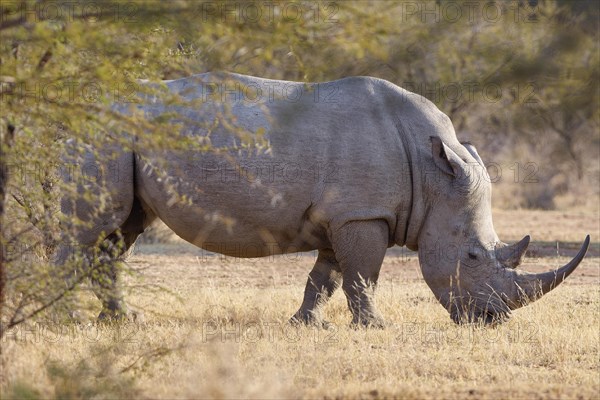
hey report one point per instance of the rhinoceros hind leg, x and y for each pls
(323, 280)
(106, 281)
(360, 247)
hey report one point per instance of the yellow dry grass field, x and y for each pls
(216, 327)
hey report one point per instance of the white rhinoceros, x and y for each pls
(348, 168)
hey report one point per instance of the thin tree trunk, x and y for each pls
(5, 143)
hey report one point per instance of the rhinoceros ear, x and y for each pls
(446, 159)
(471, 149)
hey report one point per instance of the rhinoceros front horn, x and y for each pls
(512, 255)
(533, 286)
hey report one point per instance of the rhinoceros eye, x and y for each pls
(473, 256)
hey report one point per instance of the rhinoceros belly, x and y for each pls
(237, 210)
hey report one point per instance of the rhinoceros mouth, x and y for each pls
(488, 312)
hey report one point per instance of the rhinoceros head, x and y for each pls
(471, 272)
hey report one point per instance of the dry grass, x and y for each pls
(227, 337)
(219, 330)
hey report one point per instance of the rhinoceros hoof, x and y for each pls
(309, 320)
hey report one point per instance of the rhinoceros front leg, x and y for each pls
(360, 247)
(323, 280)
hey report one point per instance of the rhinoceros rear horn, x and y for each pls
(512, 255)
(534, 286)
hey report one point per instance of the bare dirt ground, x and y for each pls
(216, 327)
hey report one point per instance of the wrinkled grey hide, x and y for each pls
(348, 168)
